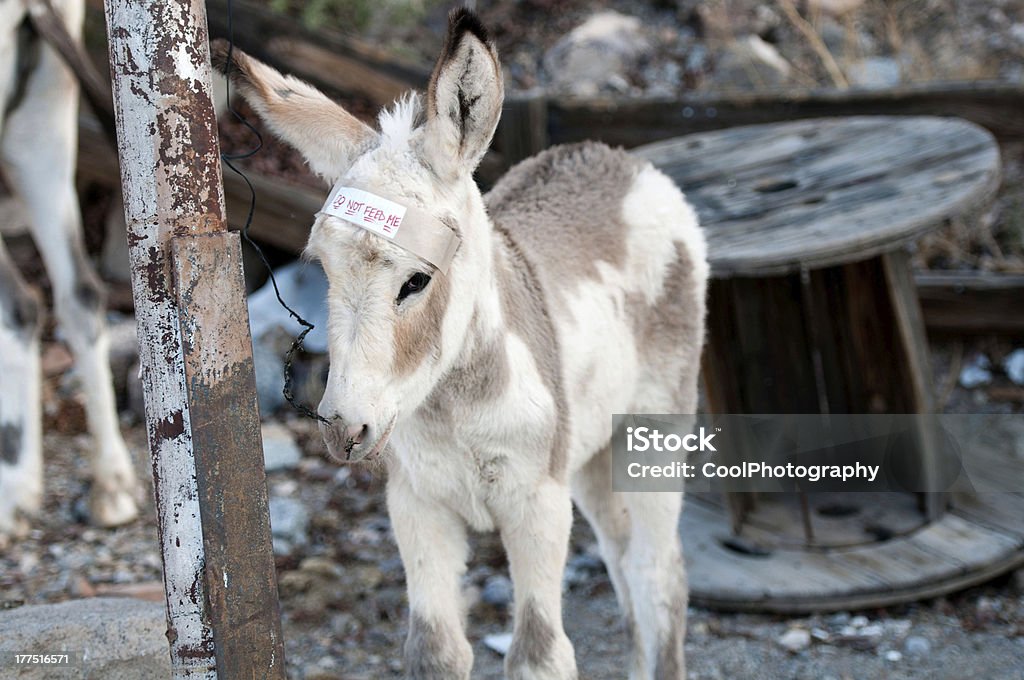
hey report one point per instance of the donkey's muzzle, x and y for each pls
(345, 442)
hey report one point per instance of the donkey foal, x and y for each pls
(38, 145)
(577, 291)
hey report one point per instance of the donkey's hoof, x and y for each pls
(112, 507)
(12, 529)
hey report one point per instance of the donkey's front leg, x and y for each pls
(432, 542)
(536, 537)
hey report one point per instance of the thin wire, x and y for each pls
(287, 391)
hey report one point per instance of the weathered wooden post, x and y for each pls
(196, 352)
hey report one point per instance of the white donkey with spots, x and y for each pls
(38, 148)
(487, 385)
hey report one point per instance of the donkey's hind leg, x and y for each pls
(608, 516)
(38, 153)
(21, 452)
(655, 572)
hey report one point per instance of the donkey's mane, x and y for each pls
(398, 122)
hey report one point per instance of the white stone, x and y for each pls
(111, 638)
(597, 55)
(1013, 365)
(749, 61)
(280, 452)
(795, 640)
(498, 642)
(874, 72)
(977, 372)
(915, 645)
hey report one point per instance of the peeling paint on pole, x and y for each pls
(138, 105)
(171, 175)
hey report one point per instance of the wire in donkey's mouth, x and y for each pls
(227, 159)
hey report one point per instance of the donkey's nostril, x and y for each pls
(356, 433)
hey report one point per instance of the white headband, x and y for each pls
(416, 230)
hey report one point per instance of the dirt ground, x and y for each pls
(342, 587)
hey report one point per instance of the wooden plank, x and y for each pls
(523, 130)
(992, 104)
(953, 553)
(780, 198)
(284, 211)
(336, 63)
(998, 511)
(775, 523)
(971, 302)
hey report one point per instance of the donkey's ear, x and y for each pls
(328, 136)
(465, 96)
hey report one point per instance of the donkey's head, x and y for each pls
(397, 319)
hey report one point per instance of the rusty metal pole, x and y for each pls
(196, 352)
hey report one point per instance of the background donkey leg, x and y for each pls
(536, 538)
(432, 542)
(38, 151)
(21, 445)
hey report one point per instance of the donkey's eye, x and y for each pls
(415, 284)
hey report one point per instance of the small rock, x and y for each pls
(863, 643)
(497, 591)
(697, 59)
(303, 286)
(280, 452)
(55, 359)
(121, 638)
(498, 642)
(987, 610)
(1013, 364)
(320, 670)
(893, 655)
(321, 566)
(795, 640)
(977, 372)
(918, 646)
(289, 522)
(342, 475)
(80, 587)
(751, 62)
(872, 630)
(597, 55)
(839, 619)
(841, 42)
(859, 621)
(820, 634)
(899, 627)
(875, 72)
(1017, 32)
(269, 368)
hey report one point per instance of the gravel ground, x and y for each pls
(343, 600)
